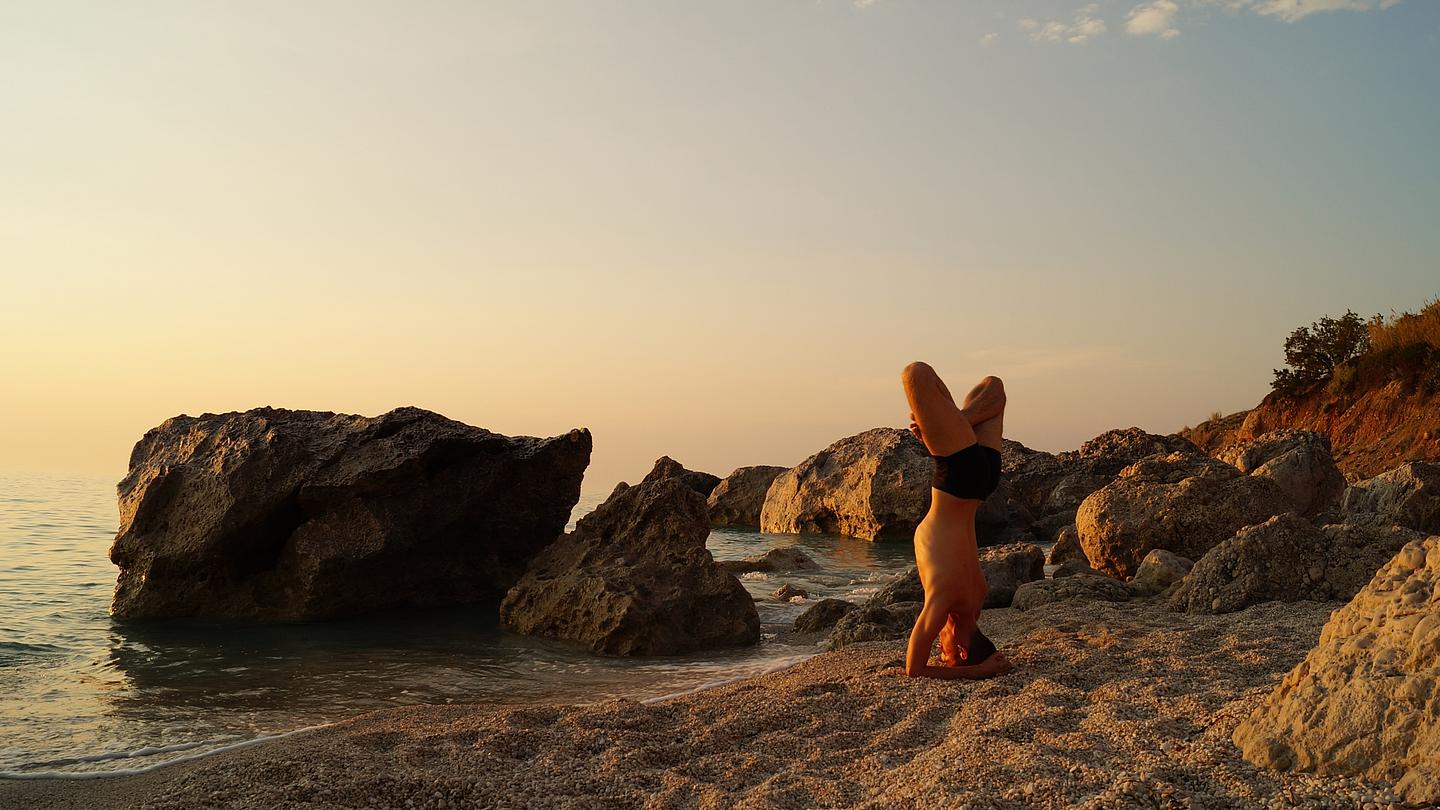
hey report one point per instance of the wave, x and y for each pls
(147, 751)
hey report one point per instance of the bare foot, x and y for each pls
(991, 667)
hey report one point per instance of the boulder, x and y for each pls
(1002, 518)
(1288, 559)
(634, 578)
(1048, 528)
(774, 560)
(280, 515)
(890, 613)
(1031, 474)
(875, 485)
(1182, 502)
(667, 468)
(1114, 450)
(787, 592)
(1067, 548)
(739, 497)
(1072, 490)
(1008, 567)
(1159, 570)
(1366, 701)
(1084, 587)
(1248, 455)
(1408, 495)
(1070, 568)
(1299, 461)
(823, 615)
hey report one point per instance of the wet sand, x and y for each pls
(1109, 705)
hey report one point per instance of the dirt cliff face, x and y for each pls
(1384, 412)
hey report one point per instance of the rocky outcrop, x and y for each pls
(667, 468)
(1083, 587)
(1408, 495)
(1159, 570)
(634, 578)
(786, 592)
(1046, 484)
(1287, 559)
(739, 497)
(1366, 700)
(1002, 518)
(1008, 567)
(1114, 450)
(283, 515)
(774, 560)
(1299, 461)
(875, 485)
(823, 615)
(1182, 502)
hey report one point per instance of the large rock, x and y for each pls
(823, 615)
(739, 497)
(1002, 518)
(1114, 450)
(634, 578)
(1287, 559)
(890, 613)
(1083, 587)
(1299, 461)
(1067, 548)
(1408, 495)
(1366, 700)
(1047, 484)
(666, 468)
(283, 515)
(875, 485)
(1008, 567)
(1182, 502)
(1160, 569)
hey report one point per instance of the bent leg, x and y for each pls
(984, 409)
(942, 425)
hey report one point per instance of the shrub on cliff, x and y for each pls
(1314, 352)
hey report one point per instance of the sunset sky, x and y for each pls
(711, 230)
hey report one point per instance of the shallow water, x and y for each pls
(78, 688)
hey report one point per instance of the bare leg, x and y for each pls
(943, 427)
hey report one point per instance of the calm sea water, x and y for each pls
(81, 692)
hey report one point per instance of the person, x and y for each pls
(964, 440)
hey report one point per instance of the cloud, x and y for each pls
(989, 39)
(1155, 18)
(1292, 10)
(1079, 30)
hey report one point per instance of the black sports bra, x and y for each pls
(971, 472)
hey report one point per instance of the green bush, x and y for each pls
(1314, 352)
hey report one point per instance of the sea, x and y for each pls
(83, 695)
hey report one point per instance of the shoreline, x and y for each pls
(1110, 705)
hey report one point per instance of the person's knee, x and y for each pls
(994, 383)
(917, 372)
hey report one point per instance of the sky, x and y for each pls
(712, 230)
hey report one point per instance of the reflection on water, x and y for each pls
(77, 683)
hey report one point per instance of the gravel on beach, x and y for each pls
(1110, 705)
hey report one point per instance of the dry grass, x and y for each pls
(1406, 328)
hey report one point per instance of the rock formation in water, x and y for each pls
(1288, 559)
(1183, 502)
(823, 615)
(666, 468)
(739, 497)
(776, 560)
(875, 485)
(282, 515)
(635, 578)
(1366, 700)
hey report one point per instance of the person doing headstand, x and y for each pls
(964, 440)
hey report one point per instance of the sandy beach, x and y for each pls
(1110, 706)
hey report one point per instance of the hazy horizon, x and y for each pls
(715, 232)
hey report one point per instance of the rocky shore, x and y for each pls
(1124, 705)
